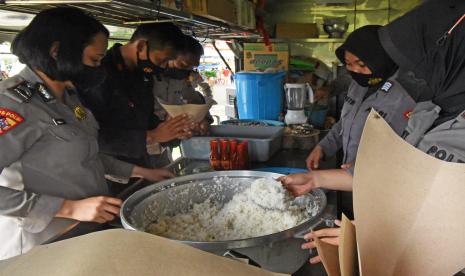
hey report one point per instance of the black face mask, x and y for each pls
(147, 66)
(177, 74)
(365, 80)
(89, 77)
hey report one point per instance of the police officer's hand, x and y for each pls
(347, 166)
(300, 183)
(96, 209)
(313, 159)
(154, 175)
(328, 235)
(202, 128)
(179, 127)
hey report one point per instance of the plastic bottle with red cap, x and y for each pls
(215, 161)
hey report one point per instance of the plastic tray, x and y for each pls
(261, 122)
(263, 141)
(281, 170)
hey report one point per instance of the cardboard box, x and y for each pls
(257, 56)
(173, 4)
(296, 30)
(245, 14)
(223, 10)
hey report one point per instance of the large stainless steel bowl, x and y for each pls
(279, 252)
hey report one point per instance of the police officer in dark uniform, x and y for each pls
(123, 103)
(51, 170)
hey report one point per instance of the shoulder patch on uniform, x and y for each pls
(408, 113)
(387, 86)
(9, 120)
(21, 92)
(44, 94)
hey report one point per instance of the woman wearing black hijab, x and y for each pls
(428, 43)
(374, 85)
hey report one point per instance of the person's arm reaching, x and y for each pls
(302, 183)
(328, 146)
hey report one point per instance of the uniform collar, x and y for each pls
(37, 83)
(116, 58)
(30, 76)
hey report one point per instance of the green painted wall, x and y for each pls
(358, 13)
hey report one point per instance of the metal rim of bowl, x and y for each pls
(140, 195)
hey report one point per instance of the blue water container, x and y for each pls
(259, 95)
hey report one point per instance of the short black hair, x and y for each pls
(71, 28)
(160, 36)
(192, 47)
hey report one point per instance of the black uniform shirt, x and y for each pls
(123, 106)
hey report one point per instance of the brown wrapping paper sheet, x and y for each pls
(408, 207)
(329, 257)
(342, 260)
(347, 248)
(123, 252)
(197, 111)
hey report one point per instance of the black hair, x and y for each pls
(192, 47)
(72, 30)
(160, 36)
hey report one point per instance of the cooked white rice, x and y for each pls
(263, 208)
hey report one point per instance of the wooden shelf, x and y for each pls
(306, 40)
(130, 13)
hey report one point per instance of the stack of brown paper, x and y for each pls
(123, 252)
(408, 208)
(342, 260)
(197, 111)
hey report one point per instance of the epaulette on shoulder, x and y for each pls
(17, 89)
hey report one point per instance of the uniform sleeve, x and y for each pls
(332, 142)
(154, 121)
(116, 167)
(398, 109)
(17, 135)
(96, 99)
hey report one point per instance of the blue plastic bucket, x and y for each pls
(317, 117)
(259, 95)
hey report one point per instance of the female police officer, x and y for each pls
(51, 172)
(428, 45)
(374, 85)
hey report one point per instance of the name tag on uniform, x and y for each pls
(380, 112)
(349, 100)
(387, 86)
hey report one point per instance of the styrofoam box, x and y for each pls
(264, 141)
